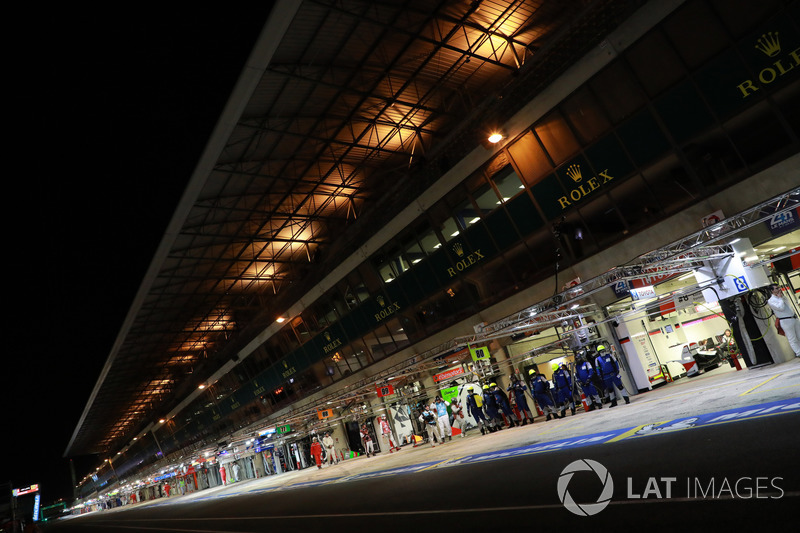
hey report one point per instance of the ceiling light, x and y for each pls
(474, 220)
(280, 320)
(778, 249)
(454, 234)
(415, 261)
(495, 138)
(735, 241)
(201, 386)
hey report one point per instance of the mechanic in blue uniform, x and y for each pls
(562, 379)
(476, 411)
(518, 389)
(504, 405)
(490, 406)
(608, 369)
(584, 372)
(540, 389)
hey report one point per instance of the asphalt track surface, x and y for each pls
(731, 474)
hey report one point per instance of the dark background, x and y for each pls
(111, 111)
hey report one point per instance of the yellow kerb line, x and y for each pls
(634, 430)
(762, 383)
(434, 465)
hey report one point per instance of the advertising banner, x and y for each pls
(449, 374)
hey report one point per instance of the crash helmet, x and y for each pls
(601, 348)
(470, 389)
(555, 366)
(531, 372)
(486, 387)
(493, 384)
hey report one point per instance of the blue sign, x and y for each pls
(621, 288)
(780, 223)
(36, 507)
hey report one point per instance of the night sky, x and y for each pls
(112, 110)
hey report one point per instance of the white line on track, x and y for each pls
(644, 501)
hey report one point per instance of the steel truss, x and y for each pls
(677, 257)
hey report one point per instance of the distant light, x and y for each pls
(495, 138)
(201, 386)
(161, 420)
(280, 320)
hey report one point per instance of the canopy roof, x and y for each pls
(344, 112)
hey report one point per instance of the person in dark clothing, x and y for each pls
(504, 406)
(562, 379)
(490, 406)
(518, 389)
(608, 368)
(584, 372)
(540, 389)
(474, 406)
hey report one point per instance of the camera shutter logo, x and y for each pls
(585, 509)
